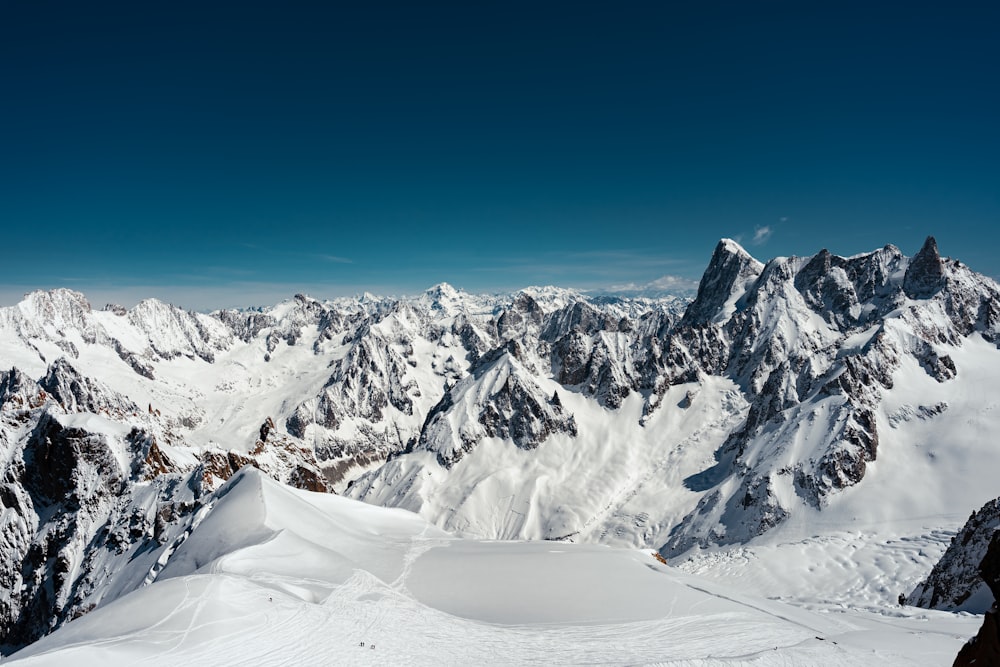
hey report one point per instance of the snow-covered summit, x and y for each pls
(730, 273)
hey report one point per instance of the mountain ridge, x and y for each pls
(762, 405)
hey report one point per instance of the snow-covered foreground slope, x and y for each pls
(274, 575)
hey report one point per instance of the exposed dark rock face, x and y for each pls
(989, 568)
(925, 275)
(599, 365)
(956, 578)
(76, 393)
(276, 455)
(523, 315)
(499, 400)
(580, 317)
(515, 414)
(762, 335)
(88, 512)
(836, 288)
(19, 392)
(984, 648)
(247, 325)
(730, 272)
(57, 457)
(141, 367)
(72, 511)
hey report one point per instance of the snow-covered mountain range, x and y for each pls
(800, 398)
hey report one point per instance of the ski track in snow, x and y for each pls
(272, 619)
(235, 597)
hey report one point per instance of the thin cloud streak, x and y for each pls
(668, 283)
(762, 234)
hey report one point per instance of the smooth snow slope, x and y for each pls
(279, 576)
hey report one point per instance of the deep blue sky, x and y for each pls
(220, 154)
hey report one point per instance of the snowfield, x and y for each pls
(278, 576)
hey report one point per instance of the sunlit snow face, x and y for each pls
(339, 577)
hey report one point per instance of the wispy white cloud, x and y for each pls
(762, 234)
(335, 259)
(666, 284)
(674, 282)
(628, 271)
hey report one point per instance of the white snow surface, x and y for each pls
(278, 576)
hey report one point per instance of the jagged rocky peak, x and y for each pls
(68, 474)
(307, 306)
(73, 519)
(116, 308)
(785, 358)
(501, 399)
(291, 313)
(925, 275)
(851, 291)
(955, 582)
(578, 316)
(825, 286)
(730, 273)
(442, 291)
(246, 325)
(877, 274)
(77, 393)
(18, 391)
(598, 365)
(523, 313)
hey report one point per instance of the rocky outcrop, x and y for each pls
(956, 581)
(278, 456)
(524, 316)
(764, 334)
(600, 365)
(73, 519)
(730, 272)
(984, 648)
(925, 274)
(19, 392)
(499, 400)
(76, 393)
